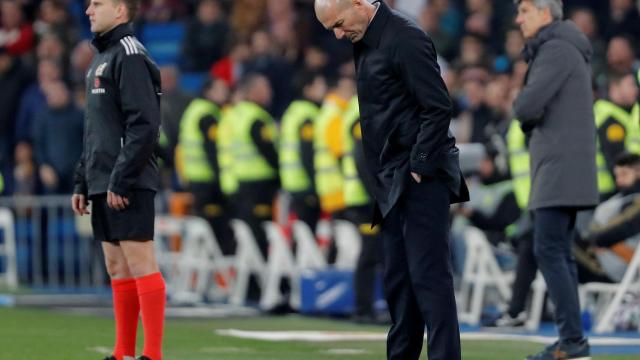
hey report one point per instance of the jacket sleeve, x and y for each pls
(265, 142)
(306, 149)
(621, 227)
(208, 129)
(79, 181)
(549, 71)
(415, 60)
(141, 110)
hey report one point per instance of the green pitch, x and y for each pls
(41, 334)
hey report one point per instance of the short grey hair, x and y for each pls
(555, 6)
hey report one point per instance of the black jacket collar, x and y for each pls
(373, 34)
(104, 41)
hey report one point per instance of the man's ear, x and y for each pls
(121, 10)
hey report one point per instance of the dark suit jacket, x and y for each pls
(405, 110)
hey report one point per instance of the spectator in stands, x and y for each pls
(24, 177)
(615, 226)
(247, 16)
(33, 99)
(56, 132)
(205, 37)
(476, 115)
(231, 68)
(51, 47)
(16, 34)
(14, 78)
(624, 18)
(513, 45)
(443, 22)
(81, 57)
(472, 53)
(621, 55)
(585, 19)
(161, 11)
(53, 17)
(279, 72)
(174, 102)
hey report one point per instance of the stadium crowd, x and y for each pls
(255, 58)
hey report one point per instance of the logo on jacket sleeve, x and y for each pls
(96, 86)
(100, 69)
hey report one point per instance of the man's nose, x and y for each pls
(338, 33)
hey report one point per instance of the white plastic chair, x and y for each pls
(248, 261)
(280, 265)
(348, 243)
(8, 249)
(611, 295)
(308, 254)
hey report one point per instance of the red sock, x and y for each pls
(126, 310)
(152, 295)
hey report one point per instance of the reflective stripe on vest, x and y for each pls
(329, 181)
(292, 172)
(486, 198)
(228, 181)
(248, 163)
(195, 164)
(519, 164)
(355, 193)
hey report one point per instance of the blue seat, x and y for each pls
(163, 41)
(193, 82)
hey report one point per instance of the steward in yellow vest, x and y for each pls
(197, 156)
(296, 149)
(328, 147)
(255, 159)
(359, 210)
(617, 130)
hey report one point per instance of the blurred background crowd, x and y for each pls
(45, 52)
(270, 53)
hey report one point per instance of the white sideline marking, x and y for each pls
(329, 336)
(101, 350)
(226, 350)
(346, 351)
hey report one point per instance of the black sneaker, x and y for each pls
(564, 350)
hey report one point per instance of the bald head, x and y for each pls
(346, 18)
(322, 6)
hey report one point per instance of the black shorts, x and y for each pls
(133, 223)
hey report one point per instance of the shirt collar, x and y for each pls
(102, 42)
(373, 34)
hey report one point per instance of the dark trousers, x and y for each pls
(553, 237)
(418, 278)
(525, 275)
(255, 207)
(210, 204)
(369, 260)
(306, 206)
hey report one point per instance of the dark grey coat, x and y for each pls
(555, 108)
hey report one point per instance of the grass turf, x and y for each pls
(44, 334)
